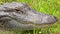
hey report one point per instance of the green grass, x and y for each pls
(46, 6)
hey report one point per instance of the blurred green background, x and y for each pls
(46, 6)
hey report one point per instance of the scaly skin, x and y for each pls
(21, 16)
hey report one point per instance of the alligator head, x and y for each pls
(20, 15)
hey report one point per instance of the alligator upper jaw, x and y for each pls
(47, 19)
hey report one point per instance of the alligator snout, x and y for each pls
(52, 19)
(49, 20)
(42, 19)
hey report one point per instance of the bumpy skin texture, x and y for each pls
(21, 16)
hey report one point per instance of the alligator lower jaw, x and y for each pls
(41, 25)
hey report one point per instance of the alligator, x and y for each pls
(21, 16)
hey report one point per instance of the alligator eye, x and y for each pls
(18, 11)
